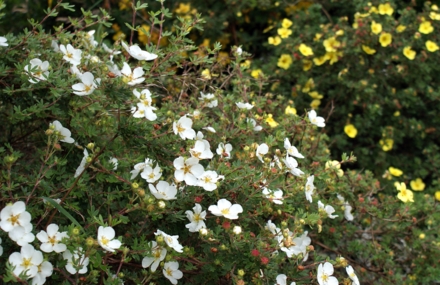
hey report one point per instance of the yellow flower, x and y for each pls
(336, 166)
(206, 74)
(395, 171)
(305, 50)
(368, 50)
(284, 33)
(404, 195)
(274, 40)
(373, 10)
(434, 16)
(246, 63)
(332, 56)
(350, 130)
(307, 64)
(400, 28)
(317, 37)
(124, 4)
(386, 9)
(431, 46)
(331, 44)
(387, 144)
(315, 95)
(426, 28)
(286, 23)
(256, 73)
(396, 114)
(339, 32)
(385, 39)
(290, 110)
(376, 28)
(183, 8)
(417, 185)
(315, 103)
(270, 121)
(437, 195)
(409, 53)
(319, 60)
(434, 7)
(284, 61)
(310, 84)
(142, 36)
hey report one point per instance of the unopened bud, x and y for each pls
(240, 272)
(91, 146)
(161, 204)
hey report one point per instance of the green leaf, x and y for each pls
(63, 211)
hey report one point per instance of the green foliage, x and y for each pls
(116, 130)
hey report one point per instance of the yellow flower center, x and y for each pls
(52, 240)
(104, 240)
(26, 262)
(14, 219)
(186, 169)
(225, 211)
(180, 129)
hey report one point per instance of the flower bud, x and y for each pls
(49, 132)
(89, 159)
(90, 241)
(90, 146)
(150, 208)
(236, 230)
(203, 231)
(161, 204)
(141, 192)
(159, 239)
(240, 272)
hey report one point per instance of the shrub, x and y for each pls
(129, 164)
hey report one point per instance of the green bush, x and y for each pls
(100, 150)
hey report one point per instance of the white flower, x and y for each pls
(15, 215)
(171, 271)
(282, 280)
(106, 239)
(239, 50)
(316, 120)
(189, 170)
(163, 191)
(3, 42)
(183, 127)
(329, 210)
(158, 254)
(209, 100)
(87, 86)
(75, 72)
(254, 124)
(262, 149)
(54, 45)
(236, 230)
(273, 228)
(196, 218)
(37, 70)
(201, 150)
(144, 108)
(51, 239)
(22, 235)
(76, 262)
(276, 161)
(112, 52)
(224, 150)
(226, 209)
(113, 68)
(242, 105)
(45, 269)
(151, 174)
(274, 196)
(347, 208)
(291, 150)
(352, 275)
(114, 161)
(140, 166)
(71, 55)
(209, 179)
(299, 245)
(82, 165)
(292, 165)
(324, 274)
(91, 38)
(171, 241)
(132, 78)
(136, 52)
(309, 188)
(63, 133)
(210, 129)
(26, 261)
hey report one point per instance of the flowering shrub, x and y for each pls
(130, 166)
